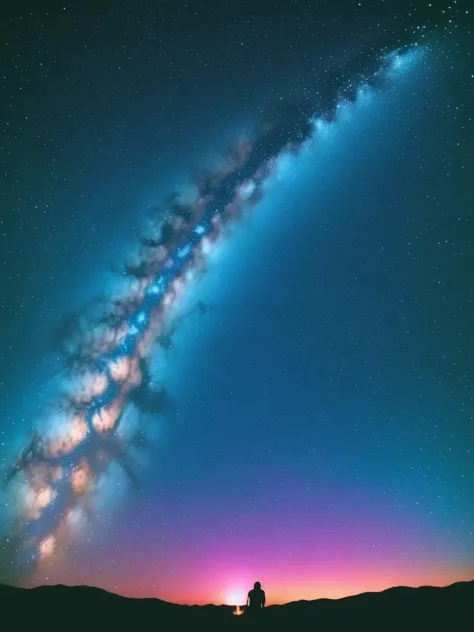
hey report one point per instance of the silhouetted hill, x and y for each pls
(450, 609)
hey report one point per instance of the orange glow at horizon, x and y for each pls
(200, 591)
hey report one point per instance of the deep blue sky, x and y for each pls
(325, 429)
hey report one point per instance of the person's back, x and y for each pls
(256, 598)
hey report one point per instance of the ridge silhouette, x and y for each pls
(88, 608)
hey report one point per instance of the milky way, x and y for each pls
(88, 431)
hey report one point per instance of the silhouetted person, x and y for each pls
(256, 598)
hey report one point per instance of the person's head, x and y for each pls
(257, 585)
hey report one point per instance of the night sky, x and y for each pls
(290, 397)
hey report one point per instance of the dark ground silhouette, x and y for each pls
(424, 609)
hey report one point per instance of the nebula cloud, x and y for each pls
(106, 348)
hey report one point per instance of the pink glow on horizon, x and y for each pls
(229, 583)
(280, 591)
(320, 557)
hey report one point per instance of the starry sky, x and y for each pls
(321, 435)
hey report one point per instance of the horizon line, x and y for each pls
(223, 605)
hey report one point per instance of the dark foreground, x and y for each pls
(450, 609)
